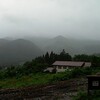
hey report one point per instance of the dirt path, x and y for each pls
(59, 91)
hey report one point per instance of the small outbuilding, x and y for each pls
(50, 70)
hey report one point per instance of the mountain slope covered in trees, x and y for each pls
(18, 51)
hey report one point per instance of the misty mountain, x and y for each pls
(3, 42)
(41, 42)
(18, 51)
(57, 44)
(72, 46)
(21, 50)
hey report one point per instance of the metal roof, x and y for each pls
(70, 63)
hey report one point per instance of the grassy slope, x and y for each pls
(24, 81)
(33, 79)
(43, 78)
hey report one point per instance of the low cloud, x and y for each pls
(76, 18)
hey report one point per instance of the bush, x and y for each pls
(77, 72)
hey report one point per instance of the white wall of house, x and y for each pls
(61, 68)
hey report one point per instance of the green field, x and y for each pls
(43, 78)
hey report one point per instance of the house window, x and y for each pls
(59, 67)
(64, 67)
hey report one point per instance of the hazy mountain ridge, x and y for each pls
(17, 51)
(21, 50)
(72, 46)
(3, 42)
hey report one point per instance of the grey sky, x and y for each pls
(76, 18)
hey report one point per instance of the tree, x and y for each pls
(82, 57)
(95, 61)
(53, 57)
(64, 56)
(47, 60)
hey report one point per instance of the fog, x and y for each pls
(49, 18)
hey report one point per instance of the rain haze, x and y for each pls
(49, 49)
(73, 18)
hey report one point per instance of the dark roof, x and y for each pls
(70, 63)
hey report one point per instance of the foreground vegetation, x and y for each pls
(44, 78)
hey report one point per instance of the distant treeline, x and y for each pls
(50, 58)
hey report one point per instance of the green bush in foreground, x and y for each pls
(77, 72)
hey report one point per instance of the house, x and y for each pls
(61, 66)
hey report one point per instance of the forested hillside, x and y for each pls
(17, 51)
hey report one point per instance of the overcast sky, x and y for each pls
(76, 18)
